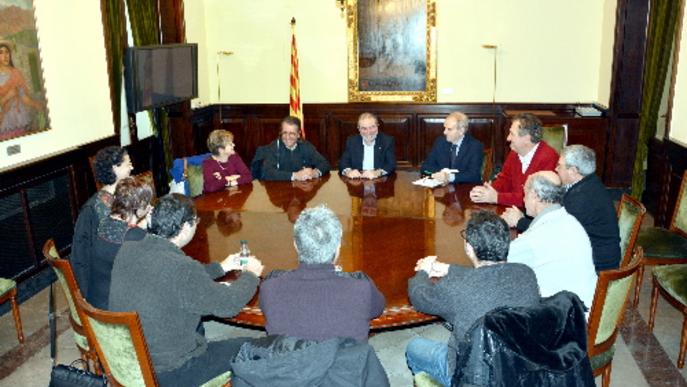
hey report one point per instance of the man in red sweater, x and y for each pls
(528, 155)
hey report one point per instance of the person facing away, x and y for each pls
(464, 294)
(529, 154)
(289, 157)
(171, 291)
(457, 157)
(555, 245)
(127, 222)
(112, 164)
(587, 199)
(224, 168)
(318, 301)
(369, 154)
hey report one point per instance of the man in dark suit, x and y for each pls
(370, 154)
(587, 199)
(457, 158)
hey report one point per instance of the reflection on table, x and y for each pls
(388, 224)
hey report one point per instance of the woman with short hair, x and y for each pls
(224, 168)
(111, 165)
(127, 222)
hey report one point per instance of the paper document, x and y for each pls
(427, 182)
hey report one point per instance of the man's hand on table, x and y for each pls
(512, 216)
(484, 194)
(232, 262)
(432, 266)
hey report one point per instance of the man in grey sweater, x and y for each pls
(464, 294)
(171, 292)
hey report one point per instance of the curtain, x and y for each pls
(115, 41)
(663, 19)
(145, 28)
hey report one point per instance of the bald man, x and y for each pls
(555, 246)
(456, 157)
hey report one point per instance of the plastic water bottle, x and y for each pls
(244, 253)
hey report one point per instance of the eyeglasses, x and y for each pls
(289, 134)
(367, 127)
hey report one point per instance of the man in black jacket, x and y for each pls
(588, 201)
(289, 158)
(456, 157)
(370, 154)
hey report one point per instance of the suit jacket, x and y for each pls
(589, 202)
(385, 153)
(468, 162)
(511, 181)
(275, 162)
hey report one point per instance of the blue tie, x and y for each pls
(452, 158)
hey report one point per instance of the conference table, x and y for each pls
(388, 224)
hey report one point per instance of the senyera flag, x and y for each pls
(295, 104)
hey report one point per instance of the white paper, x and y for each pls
(427, 182)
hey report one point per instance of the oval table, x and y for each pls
(388, 224)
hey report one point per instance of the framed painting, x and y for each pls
(23, 108)
(392, 50)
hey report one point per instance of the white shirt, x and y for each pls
(369, 156)
(452, 176)
(558, 249)
(526, 160)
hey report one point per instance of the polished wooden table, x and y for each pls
(388, 224)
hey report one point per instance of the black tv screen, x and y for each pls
(160, 75)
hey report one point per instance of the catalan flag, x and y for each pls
(295, 104)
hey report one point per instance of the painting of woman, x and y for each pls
(16, 104)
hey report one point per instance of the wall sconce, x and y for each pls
(341, 5)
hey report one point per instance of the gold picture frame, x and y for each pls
(389, 60)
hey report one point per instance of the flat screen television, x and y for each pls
(160, 75)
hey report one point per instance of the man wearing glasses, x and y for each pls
(370, 154)
(289, 157)
(171, 292)
(456, 157)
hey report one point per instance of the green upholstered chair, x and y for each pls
(630, 215)
(606, 314)
(422, 379)
(119, 341)
(555, 136)
(8, 292)
(671, 282)
(487, 164)
(665, 246)
(194, 176)
(67, 281)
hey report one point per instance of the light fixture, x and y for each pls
(220, 54)
(495, 49)
(341, 5)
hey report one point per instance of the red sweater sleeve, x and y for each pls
(510, 183)
(210, 182)
(238, 167)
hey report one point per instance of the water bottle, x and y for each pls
(244, 253)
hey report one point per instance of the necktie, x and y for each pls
(452, 158)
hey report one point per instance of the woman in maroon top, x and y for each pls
(224, 168)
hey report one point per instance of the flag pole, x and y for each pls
(295, 105)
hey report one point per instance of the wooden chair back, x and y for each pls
(630, 215)
(678, 223)
(608, 307)
(120, 344)
(487, 164)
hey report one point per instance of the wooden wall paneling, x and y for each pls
(632, 17)
(402, 128)
(429, 128)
